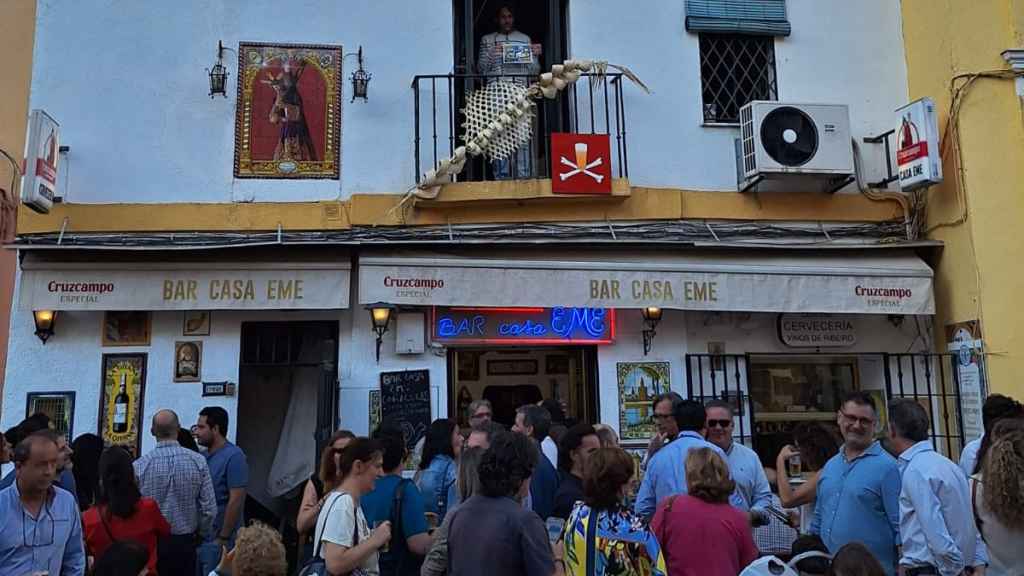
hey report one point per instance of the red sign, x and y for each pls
(581, 164)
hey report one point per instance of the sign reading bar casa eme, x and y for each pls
(201, 289)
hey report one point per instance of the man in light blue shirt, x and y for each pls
(753, 493)
(859, 488)
(936, 519)
(969, 457)
(40, 525)
(666, 473)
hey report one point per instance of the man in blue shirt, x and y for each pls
(666, 472)
(753, 492)
(230, 474)
(32, 424)
(535, 422)
(397, 500)
(859, 488)
(936, 519)
(40, 525)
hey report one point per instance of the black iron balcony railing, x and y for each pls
(593, 105)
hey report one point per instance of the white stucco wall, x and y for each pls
(127, 82)
(839, 53)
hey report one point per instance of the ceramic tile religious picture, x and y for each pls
(288, 114)
(639, 383)
(188, 359)
(121, 400)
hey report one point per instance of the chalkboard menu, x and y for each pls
(405, 401)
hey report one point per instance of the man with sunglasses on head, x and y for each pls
(753, 493)
(40, 526)
(859, 488)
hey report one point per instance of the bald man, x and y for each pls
(179, 480)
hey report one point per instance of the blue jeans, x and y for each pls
(518, 166)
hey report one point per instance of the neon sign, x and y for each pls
(523, 325)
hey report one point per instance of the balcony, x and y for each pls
(593, 105)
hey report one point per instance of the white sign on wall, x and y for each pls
(917, 139)
(816, 331)
(195, 289)
(43, 151)
(970, 375)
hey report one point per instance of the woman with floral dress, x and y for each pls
(621, 544)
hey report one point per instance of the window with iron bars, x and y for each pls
(734, 70)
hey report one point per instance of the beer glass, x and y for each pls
(794, 466)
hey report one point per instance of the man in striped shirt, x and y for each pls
(179, 480)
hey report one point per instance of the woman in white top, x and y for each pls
(343, 538)
(998, 498)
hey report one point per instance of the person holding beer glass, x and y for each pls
(814, 444)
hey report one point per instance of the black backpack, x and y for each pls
(398, 560)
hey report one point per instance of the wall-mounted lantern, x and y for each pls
(380, 317)
(652, 316)
(219, 74)
(361, 80)
(45, 320)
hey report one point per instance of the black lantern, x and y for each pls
(45, 320)
(361, 80)
(652, 316)
(380, 317)
(218, 74)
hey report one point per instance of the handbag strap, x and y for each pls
(106, 527)
(592, 522)
(319, 541)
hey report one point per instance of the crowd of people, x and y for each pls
(486, 500)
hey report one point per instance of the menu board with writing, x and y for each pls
(405, 401)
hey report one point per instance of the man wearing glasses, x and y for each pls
(40, 526)
(753, 493)
(859, 488)
(665, 426)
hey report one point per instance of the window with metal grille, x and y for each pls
(735, 69)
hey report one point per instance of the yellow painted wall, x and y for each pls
(979, 275)
(17, 30)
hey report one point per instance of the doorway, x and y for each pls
(512, 377)
(287, 372)
(546, 24)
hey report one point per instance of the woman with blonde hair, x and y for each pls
(258, 551)
(700, 533)
(998, 498)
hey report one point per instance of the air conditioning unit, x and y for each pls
(794, 141)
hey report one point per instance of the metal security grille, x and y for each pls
(57, 406)
(723, 377)
(735, 69)
(933, 381)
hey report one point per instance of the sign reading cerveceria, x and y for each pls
(816, 330)
(184, 289)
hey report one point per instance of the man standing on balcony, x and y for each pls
(508, 55)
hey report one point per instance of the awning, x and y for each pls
(877, 283)
(182, 285)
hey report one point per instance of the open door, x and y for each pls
(545, 23)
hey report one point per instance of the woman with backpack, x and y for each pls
(437, 473)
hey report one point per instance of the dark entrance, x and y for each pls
(287, 372)
(513, 376)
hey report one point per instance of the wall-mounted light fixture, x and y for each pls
(45, 320)
(360, 79)
(652, 316)
(380, 317)
(218, 73)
